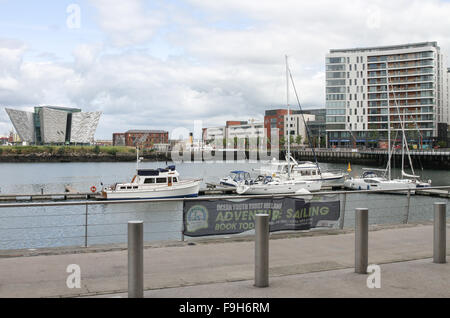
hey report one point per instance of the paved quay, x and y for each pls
(312, 264)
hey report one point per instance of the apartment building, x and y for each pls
(296, 125)
(234, 129)
(245, 130)
(369, 90)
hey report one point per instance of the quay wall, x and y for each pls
(420, 159)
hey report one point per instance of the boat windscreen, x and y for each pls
(147, 173)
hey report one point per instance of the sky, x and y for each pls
(166, 64)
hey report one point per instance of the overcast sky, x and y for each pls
(161, 64)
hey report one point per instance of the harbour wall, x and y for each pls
(420, 159)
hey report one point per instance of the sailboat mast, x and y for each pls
(389, 121)
(137, 159)
(288, 119)
(403, 141)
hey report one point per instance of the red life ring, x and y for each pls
(93, 189)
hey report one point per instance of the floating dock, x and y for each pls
(211, 190)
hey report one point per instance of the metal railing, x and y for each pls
(262, 238)
(85, 223)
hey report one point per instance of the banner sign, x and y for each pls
(220, 217)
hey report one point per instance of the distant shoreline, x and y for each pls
(30, 154)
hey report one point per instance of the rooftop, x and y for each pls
(386, 48)
(66, 109)
(146, 132)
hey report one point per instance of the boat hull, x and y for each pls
(164, 192)
(292, 188)
(388, 185)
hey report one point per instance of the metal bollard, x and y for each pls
(439, 243)
(262, 250)
(135, 259)
(361, 240)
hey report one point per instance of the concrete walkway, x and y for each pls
(320, 265)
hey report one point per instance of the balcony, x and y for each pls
(412, 72)
(401, 57)
(413, 79)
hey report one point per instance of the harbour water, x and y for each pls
(39, 227)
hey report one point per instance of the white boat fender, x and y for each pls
(302, 191)
(241, 189)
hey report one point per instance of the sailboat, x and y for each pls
(285, 182)
(371, 180)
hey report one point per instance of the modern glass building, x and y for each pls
(369, 90)
(55, 125)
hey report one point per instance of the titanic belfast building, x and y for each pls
(55, 125)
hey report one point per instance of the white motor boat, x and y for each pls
(234, 178)
(154, 184)
(306, 171)
(270, 185)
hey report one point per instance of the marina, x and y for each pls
(212, 191)
(58, 218)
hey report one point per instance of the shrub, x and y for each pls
(112, 151)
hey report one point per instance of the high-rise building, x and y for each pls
(370, 89)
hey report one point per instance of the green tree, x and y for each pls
(282, 141)
(97, 149)
(298, 139)
(291, 139)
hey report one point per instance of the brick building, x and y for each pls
(146, 138)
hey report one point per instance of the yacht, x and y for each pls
(284, 180)
(306, 171)
(274, 185)
(153, 184)
(372, 179)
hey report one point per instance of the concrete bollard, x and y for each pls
(262, 250)
(135, 259)
(439, 240)
(361, 240)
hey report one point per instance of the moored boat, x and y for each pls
(302, 171)
(269, 185)
(234, 178)
(153, 184)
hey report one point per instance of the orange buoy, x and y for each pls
(93, 189)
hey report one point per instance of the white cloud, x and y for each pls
(127, 22)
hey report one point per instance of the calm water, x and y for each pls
(65, 226)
